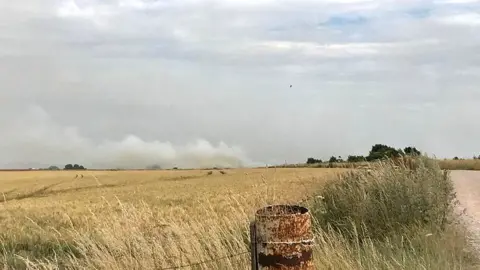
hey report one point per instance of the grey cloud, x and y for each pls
(119, 80)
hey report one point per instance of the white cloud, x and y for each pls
(457, 1)
(465, 19)
(97, 13)
(325, 50)
(170, 72)
(341, 50)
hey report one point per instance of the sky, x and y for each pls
(192, 83)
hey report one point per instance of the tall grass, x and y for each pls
(387, 200)
(388, 218)
(461, 164)
(398, 215)
(447, 164)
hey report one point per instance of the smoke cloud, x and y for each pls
(33, 139)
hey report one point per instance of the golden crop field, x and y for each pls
(176, 214)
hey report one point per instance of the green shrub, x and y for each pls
(387, 200)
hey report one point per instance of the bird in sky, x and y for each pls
(290, 86)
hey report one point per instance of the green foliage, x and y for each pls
(53, 168)
(381, 151)
(378, 152)
(355, 158)
(74, 167)
(387, 200)
(333, 159)
(411, 151)
(313, 161)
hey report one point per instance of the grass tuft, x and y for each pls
(396, 216)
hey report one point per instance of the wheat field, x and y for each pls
(461, 164)
(139, 219)
(199, 219)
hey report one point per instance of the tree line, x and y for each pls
(378, 151)
(73, 167)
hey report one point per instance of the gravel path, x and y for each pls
(467, 186)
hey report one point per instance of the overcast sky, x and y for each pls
(129, 83)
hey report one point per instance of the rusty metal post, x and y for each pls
(284, 238)
(253, 246)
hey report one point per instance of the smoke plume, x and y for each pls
(33, 139)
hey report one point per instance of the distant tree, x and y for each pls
(313, 160)
(355, 158)
(78, 167)
(411, 151)
(380, 151)
(333, 160)
(74, 167)
(455, 158)
(53, 168)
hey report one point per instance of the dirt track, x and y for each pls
(467, 186)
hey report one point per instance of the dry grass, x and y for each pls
(398, 216)
(329, 165)
(461, 164)
(39, 192)
(168, 217)
(162, 219)
(447, 164)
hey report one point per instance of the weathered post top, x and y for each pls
(284, 238)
